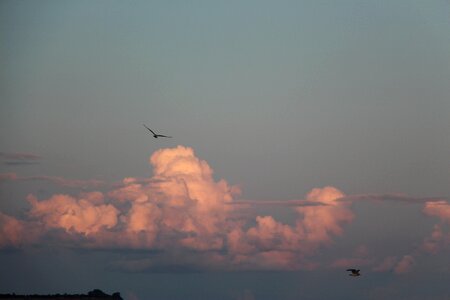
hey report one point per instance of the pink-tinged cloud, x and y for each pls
(182, 207)
(181, 200)
(405, 265)
(84, 215)
(181, 172)
(11, 231)
(319, 223)
(17, 233)
(433, 243)
(440, 209)
(315, 225)
(271, 244)
(270, 234)
(438, 240)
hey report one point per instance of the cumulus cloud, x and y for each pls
(435, 240)
(440, 209)
(320, 223)
(431, 244)
(182, 204)
(17, 233)
(439, 238)
(182, 207)
(85, 215)
(11, 231)
(270, 244)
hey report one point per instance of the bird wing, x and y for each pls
(351, 270)
(149, 129)
(160, 135)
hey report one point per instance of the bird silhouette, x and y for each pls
(354, 272)
(156, 135)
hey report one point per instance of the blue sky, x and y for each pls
(278, 98)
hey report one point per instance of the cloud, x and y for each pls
(271, 244)
(85, 215)
(11, 231)
(183, 214)
(16, 233)
(182, 207)
(404, 265)
(320, 223)
(431, 244)
(182, 204)
(440, 209)
(436, 240)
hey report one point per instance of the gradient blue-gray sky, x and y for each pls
(279, 97)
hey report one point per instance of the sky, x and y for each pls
(308, 137)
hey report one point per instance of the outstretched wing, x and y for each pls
(352, 270)
(149, 129)
(160, 135)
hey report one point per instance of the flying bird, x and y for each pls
(354, 272)
(156, 135)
